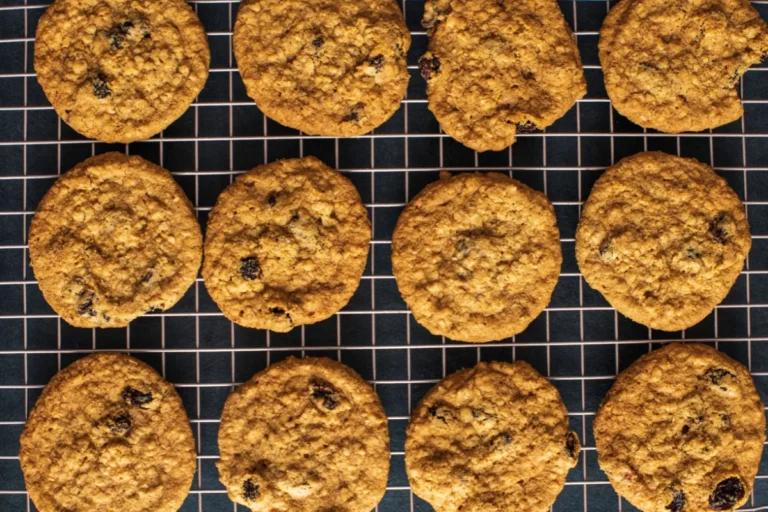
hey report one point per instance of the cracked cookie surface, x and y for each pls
(663, 238)
(323, 67)
(476, 256)
(682, 429)
(493, 437)
(114, 238)
(108, 434)
(304, 435)
(499, 67)
(675, 65)
(120, 70)
(286, 245)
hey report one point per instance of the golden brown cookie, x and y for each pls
(121, 70)
(675, 65)
(304, 435)
(476, 256)
(114, 238)
(493, 437)
(499, 67)
(323, 67)
(663, 238)
(286, 245)
(108, 434)
(682, 430)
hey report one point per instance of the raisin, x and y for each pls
(120, 424)
(250, 268)
(85, 307)
(718, 229)
(272, 199)
(318, 42)
(571, 444)
(377, 62)
(678, 502)
(693, 253)
(100, 86)
(716, 376)
(135, 397)
(686, 429)
(441, 413)
(325, 392)
(727, 494)
(277, 311)
(351, 116)
(118, 33)
(250, 490)
(526, 127)
(428, 66)
(605, 248)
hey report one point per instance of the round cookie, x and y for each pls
(499, 67)
(304, 435)
(286, 245)
(121, 70)
(682, 429)
(108, 434)
(663, 238)
(340, 70)
(476, 256)
(114, 238)
(675, 66)
(493, 437)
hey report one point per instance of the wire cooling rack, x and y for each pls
(579, 341)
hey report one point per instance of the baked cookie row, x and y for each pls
(475, 256)
(681, 429)
(123, 70)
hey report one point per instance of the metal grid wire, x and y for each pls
(579, 341)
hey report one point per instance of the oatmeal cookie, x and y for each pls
(114, 238)
(286, 245)
(304, 435)
(663, 238)
(476, 256)
(121, 70)
(682, 429)
(108, 434)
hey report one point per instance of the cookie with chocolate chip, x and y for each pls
(114, 238)
(286, 245)
(492, 437)
(676, 66)
(495, 68)
(121, 70)
(663, 238)
(304, 435)
(323, 67)
(682, 429)
(108, 433)
(477, 256)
